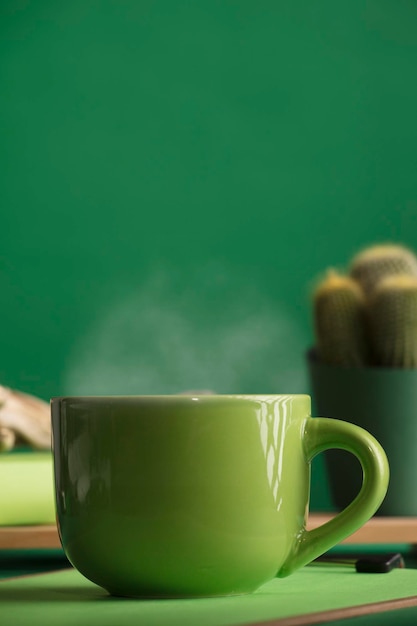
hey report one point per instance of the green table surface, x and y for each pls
(67, 598)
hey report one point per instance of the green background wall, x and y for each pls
(175, 174)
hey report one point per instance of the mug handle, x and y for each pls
(321, 434)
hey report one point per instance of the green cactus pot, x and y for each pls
(384, 402)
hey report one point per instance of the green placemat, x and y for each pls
(26, 486)
(67, 598)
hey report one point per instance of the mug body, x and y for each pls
(173, 496)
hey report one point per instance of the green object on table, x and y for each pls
(179, 496)
(66, 597)
(384, 402)
(26, 488)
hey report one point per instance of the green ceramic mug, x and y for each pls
(185, 496)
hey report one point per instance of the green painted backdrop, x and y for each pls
(175, 174)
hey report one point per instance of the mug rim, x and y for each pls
(185, 396)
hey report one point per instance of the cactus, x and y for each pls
(392, 312)
(373, 264)
(369, 316)
(339, 314)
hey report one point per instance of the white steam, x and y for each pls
(162, 340)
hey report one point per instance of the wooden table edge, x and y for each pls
(321, 617)
(376, 530)
(29, 537)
